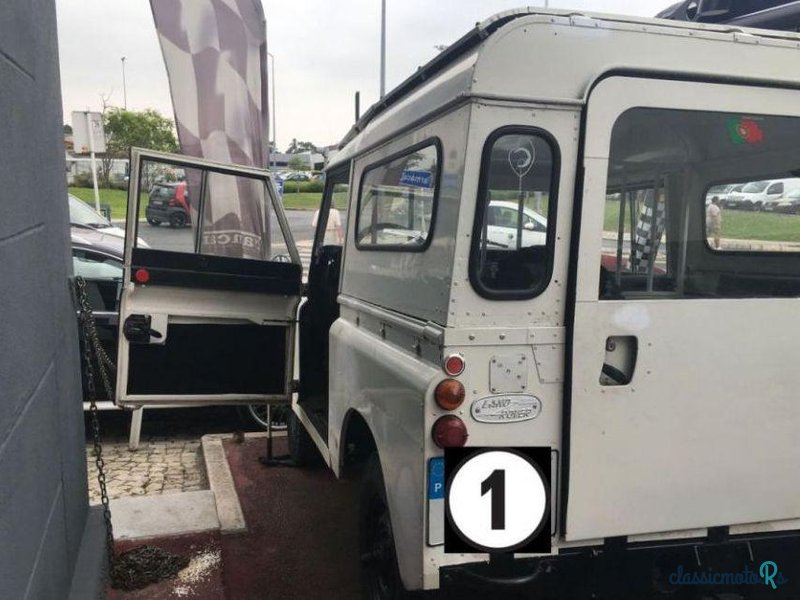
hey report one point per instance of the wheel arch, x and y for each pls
(357, 444)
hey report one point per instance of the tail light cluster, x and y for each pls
(450, 431)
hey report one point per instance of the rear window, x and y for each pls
(512, 250)
(396, 204)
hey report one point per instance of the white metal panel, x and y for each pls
(706, 432)
(388, 387)
(412, 283)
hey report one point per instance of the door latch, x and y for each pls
(137, 330)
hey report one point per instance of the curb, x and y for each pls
(220, 480)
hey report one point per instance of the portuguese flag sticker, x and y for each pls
(744, 131)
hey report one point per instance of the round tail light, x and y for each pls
(454, 365)
(449, 394)
(449, 432)
(141, 275)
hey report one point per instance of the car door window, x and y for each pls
(103, 275)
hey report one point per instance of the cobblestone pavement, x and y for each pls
(159, 466)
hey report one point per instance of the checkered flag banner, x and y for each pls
(215, 53)
(649, 230)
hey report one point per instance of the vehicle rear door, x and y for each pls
(683, 412)
(207, 312)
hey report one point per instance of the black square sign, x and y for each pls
(497, 500)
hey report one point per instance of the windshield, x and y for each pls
(754, 187)
(83, 215)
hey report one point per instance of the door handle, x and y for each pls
(137, 330)
(619, 362)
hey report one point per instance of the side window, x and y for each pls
(512, 252)
(701, 204)
(775, 188)
(396, 204)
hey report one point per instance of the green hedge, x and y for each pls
(293, 187)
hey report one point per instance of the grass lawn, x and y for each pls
(302, 201)
(118, 200)
(736, 224)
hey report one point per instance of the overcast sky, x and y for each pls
(324, 51)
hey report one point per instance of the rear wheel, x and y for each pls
(256, 414)
(177, 220)
(302, 448)
(380, 576)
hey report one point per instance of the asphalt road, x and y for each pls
(163, 237)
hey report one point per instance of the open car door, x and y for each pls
(207, 311)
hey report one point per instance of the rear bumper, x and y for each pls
(641, 570)
(163, 213)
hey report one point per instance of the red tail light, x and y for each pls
(449, 432)
(141, 275)
(449, 394)
(454, 365)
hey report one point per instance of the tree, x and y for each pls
(297, 164)
(126, 128)
(296, 147)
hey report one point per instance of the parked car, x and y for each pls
(83, 216)
(756, 194)
(97, 257)
(788, 203)
(723, 201)
(502, 222)
(295, 176)
(721, 192)
(86, 219)
(168, 203)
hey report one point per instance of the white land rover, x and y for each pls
(647, 340)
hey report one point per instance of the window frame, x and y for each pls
(480, 206)
(434, 142)
(331, 181)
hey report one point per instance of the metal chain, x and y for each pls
(90, 343)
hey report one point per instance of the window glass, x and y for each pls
(396, 202)
(510, 255)
(200, 211)
(103, 275)
(701, 204)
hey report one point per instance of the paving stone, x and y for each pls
(159, 466)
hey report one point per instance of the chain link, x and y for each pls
(90, 343)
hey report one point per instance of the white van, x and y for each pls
(657, 371)
(757, 195)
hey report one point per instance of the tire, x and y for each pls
(153, 222)
(302, 448)
(380, 576)
(177, 220)
(256, 414)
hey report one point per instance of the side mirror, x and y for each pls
(529, 226)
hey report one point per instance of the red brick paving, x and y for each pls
(301, 541)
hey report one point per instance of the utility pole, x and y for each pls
(274, 127)
(90, 133)
(124, 87)
(383, 48)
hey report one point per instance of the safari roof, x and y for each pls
(554, 56)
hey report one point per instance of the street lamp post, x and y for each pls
(383, 48)
(124, 86)
(274, 128)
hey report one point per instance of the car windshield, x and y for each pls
(82, 215)
(755, 187)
